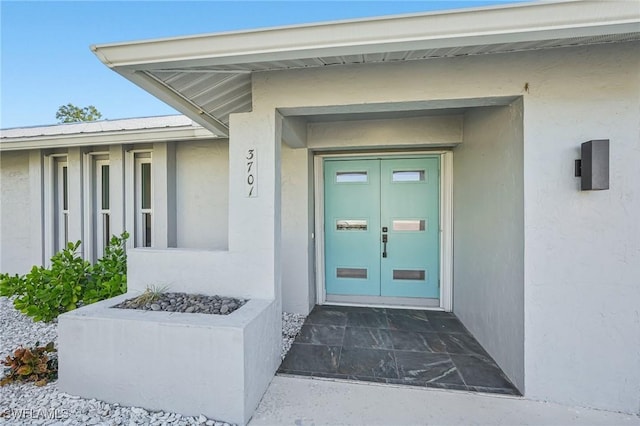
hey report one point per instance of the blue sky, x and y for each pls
(46, 61)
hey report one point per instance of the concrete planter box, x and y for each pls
(216, 365)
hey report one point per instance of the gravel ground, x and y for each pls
(22, 404)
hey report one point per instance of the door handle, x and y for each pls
(384, 245)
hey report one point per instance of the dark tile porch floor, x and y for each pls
(398, 346)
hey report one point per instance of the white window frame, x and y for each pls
(143, 237)
(60, 210)
(97, 231)
(102, 223)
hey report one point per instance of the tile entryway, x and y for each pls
(397, 346)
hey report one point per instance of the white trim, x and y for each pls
(48, 176)
(130, 197)
(384, 301)
(92, 193)
(107, 138)
(61, 214)
(503, 24)
(139, 235)
(446, 221)
(87, 181)
(318, 185)
(446, 231)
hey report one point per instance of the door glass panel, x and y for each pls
(351, 177)
(408, 176)
(408, 274)
(351, 273)
(351, 225)
(409, 225)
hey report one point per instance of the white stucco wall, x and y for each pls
(202, 194)
(15, 238)
(399, 132)
(582, 249)
(296, 235)
(488, 225)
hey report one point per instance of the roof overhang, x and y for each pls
(138, 136)
(207, 77)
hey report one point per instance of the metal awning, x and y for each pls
(208, 77)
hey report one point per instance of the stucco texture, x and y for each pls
(15, 227)
(581, 249)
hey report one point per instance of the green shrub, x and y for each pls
(31, 365)
(108, 277)
(45, 293)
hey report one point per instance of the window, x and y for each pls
(143, 200)
(61, 203)
(408, 175)
(351, 177)
(351, 225)
(409, 225)
(102, 214)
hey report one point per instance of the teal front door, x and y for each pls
(382, 226)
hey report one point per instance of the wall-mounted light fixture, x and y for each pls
(593, 167)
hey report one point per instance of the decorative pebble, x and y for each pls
(187, 303)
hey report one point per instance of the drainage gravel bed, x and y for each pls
(22, 404)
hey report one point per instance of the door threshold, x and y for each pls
(384, 302)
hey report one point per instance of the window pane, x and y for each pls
(408, 176)
(409, 225)
(351, 177)
(351, 273)
(147, 229)
(66, 228)
(351, 225)
(107, 231)
(65, 192)
(105, 187)
(407, 274)
(146, 185)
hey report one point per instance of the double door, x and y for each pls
(382, 227)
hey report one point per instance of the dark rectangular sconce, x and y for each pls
(593, 168)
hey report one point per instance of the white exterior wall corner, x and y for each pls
(581, 248)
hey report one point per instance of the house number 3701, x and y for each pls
(251, 179)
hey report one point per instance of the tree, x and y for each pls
(70, 113)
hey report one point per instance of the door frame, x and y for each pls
(446, 220)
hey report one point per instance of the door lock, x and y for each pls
(384, 242)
